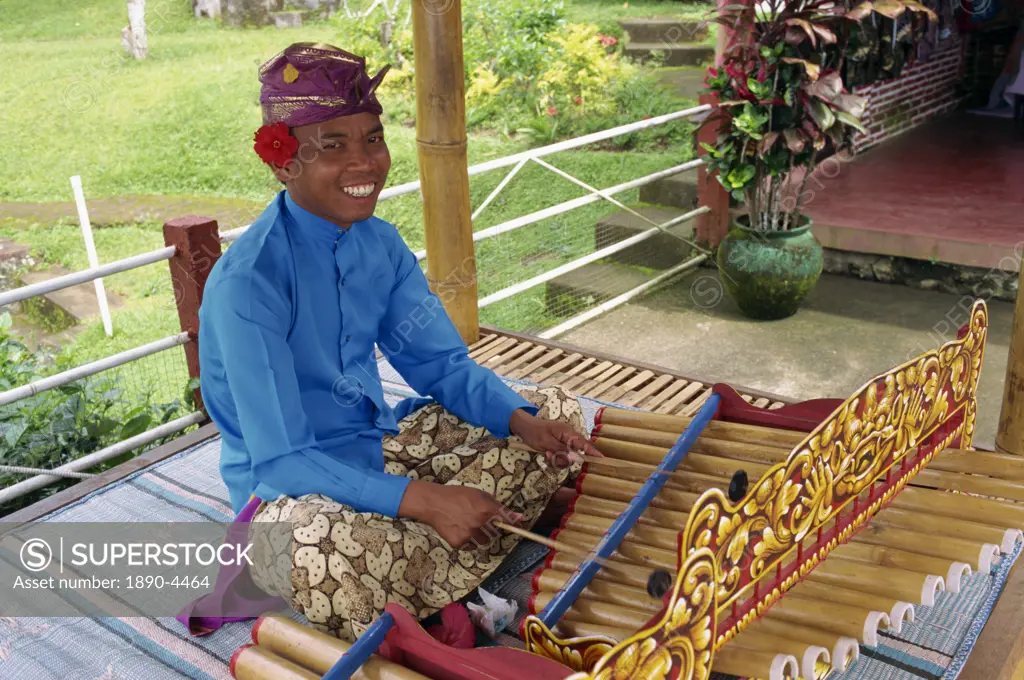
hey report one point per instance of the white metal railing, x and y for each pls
(574, 203)
(97, 457)
(84, 276)
(86, 370)
(516, 161)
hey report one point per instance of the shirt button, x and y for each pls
(347, 338)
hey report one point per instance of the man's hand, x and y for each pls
(556, 439)
(460, 514)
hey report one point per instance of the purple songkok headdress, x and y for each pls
(312, 82)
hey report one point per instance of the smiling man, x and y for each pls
(389, 504)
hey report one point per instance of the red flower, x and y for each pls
(275, 144)
(608, 40)
(552, 111)
(578, 100)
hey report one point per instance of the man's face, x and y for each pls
(340, 168)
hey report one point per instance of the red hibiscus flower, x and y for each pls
(578, 100)
(552, 111)
(275, 144)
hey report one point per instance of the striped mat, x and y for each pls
(187, 488)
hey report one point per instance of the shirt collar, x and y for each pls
(308, 224)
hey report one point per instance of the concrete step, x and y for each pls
(677, 191)
(674, 54)
(661, 251)
(579, 290)
(9, 250)
(62, 309)
(686, 81)
(286, 19)
(665, 30)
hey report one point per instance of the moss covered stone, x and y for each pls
(46, 314)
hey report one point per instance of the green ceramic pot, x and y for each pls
(768, 274)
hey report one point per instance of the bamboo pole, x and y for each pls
(847, 620)
(1010, 435)
(317, 652)
(570, 629)
(809, 656)
(751, 663)
(625, 595)
(574, 550)
(444, 175)
(251, 662)
(843, 650)
(977, 554)
(596, 612)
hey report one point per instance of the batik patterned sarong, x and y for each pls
(343, 567)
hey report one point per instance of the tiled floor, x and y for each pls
(951, 190)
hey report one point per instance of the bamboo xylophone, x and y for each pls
(759, 543)
(283, 649)
(926, 541)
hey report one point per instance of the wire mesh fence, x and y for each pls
(161, 378)
(525, 252)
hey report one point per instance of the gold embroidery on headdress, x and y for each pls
(291, 74)
(311, 50)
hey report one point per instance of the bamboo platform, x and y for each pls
(599, 376)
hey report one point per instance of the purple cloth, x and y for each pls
(234, 596)
(312, 82)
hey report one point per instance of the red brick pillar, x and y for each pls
(197, 243)
(713, 226)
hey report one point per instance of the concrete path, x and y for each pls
(688, 81)
(229, 212)
(848, 331)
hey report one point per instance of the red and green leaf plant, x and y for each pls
(782, 103)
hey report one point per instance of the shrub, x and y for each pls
(528, 72)
(65, 423)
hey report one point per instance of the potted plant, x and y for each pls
(782, 107)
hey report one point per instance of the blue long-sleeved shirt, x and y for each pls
(288, 323)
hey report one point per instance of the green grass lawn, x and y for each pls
(61, 20)
(179, 122)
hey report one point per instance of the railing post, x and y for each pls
(1010, 435)
(197, 244)
(713, 225)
